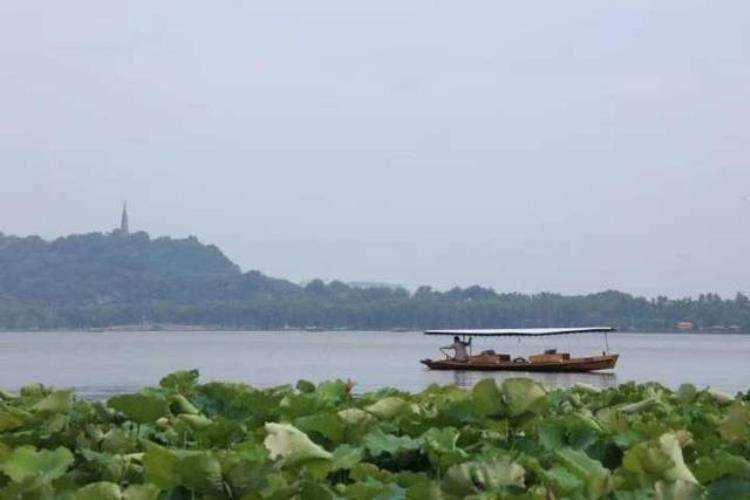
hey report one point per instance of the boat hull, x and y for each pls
(586, 364)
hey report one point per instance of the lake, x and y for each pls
(100, 364)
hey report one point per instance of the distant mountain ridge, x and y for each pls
(101, 268)
(97, 280)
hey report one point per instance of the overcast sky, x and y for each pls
(528, 146)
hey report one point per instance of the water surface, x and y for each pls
(100, 364)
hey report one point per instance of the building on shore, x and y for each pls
(124, 228)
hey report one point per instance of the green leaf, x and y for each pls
(596, 477)
(26, 462)
(678, 490)
(647, 461)
(140, 408)
(179, 404)
(57, 402)
(33, 391)
(246, 468)
(357, 421)
(471, 478)
(367, 472)
(141, 492)
(292, 445)
(194, 421)
(670, 445)
(161, 467)
(200, 471)
(562, 482)
(522, 395)
(12, 418)
(552, 435)
(729, 488)
(305, 386)
(441, 447)
(329, 425)
(332, 391)
(488, 398)
(388, 407)
(182, 381)
(346, 457)
(99, 491)
(118, 440)
(378, 443)
(314, 490)
(736, 424)
(721, 463)
(196, 470)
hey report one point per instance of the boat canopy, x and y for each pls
(521, 332)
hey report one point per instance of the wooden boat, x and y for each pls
(549, 361)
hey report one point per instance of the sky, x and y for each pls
(527, 146)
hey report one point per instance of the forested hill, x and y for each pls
(98, 280)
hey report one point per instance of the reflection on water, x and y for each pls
(467, 378)
(100, 364)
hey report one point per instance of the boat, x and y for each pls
(548, 361)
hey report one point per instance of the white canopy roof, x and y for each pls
(521, 332)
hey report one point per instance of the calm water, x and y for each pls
(99, 364)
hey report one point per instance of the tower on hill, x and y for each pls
(124, 228)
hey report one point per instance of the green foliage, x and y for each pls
(140, 408)
(26, 462)
(98, 280)
(516, 439)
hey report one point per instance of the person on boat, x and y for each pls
(459, 348)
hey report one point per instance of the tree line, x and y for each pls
(100, 280)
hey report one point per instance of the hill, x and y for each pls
(99, 280)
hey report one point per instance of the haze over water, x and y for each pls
(100, 364)
(569, 147)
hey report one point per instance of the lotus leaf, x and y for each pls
(58, 401)
(441, 448)
(346, 456)
(292, 445)
(595, 476)
(12, 418)
(27, 462)
(141, 492)
(305, 386)
(388, 407)
(99, 491)
(377, 443)
(182, 382)
(329, 425)
(521, 394)
(670, 445)
(488, 398)
(678, 490)
(33, 391)
(736, 424)
(475, 477)
(357, 417)
(333, 391)
(161, 467)
(516, 439)
(140, 408)
(180, 404)
(200, 471)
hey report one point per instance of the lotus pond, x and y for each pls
(515, 439)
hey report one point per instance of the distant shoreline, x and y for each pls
(202, 329)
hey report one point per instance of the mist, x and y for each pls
(563, 147)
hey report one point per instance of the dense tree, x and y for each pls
(97, 280)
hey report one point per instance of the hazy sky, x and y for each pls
(564, 146)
